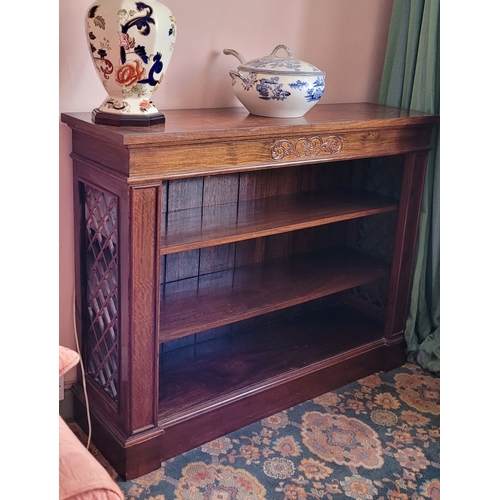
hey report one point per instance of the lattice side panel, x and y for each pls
(382, 175)
(376, 235)
(102, 333)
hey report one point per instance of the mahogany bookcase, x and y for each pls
(230, 266)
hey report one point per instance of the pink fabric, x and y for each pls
(99, 494)
(81, 476)
(67, 359)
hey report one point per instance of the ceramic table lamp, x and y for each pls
(131, 44)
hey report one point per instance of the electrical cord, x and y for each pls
(87, 407)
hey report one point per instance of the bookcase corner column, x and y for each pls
(143, 307)
(116, 242)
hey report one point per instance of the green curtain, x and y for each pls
(411, 80)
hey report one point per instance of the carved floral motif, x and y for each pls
(306, 146)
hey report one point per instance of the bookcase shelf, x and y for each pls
(234, 364)
(230, 222)
(226, 297)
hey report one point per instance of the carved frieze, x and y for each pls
(306, 146)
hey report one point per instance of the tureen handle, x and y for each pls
(288, 51)
(244, 80)
(235, 54)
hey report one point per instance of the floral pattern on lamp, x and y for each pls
(131, 44)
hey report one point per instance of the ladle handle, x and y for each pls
(235, 54)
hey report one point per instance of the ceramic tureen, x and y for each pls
(277, 85)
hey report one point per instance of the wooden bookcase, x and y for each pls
(230, 266)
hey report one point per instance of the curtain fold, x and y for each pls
(410, 80)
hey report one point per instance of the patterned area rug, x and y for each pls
(374, 439)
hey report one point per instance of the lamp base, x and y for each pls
(127, 121)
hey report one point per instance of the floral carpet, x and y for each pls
(374, 439)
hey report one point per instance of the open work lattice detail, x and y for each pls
(101, 340)
(376, 235)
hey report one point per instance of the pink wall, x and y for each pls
(344, 38)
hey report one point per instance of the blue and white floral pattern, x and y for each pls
(271, 88)
(277, 63)
(317, 90)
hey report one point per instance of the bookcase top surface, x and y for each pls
(222, 124)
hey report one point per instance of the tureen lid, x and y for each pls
(277, 65)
